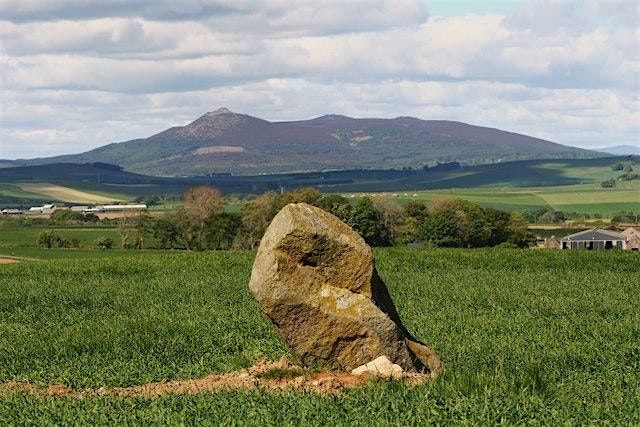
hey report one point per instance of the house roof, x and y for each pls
(629, 232)
(593, 235)
(633, 242)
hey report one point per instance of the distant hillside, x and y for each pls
(621, 150)
(73, 173)
(223, 141)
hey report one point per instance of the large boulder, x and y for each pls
(316, 280)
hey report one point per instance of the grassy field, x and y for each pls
(66, 194)
(15, 191)
(584, 198)
(568, 185)
(542, 337)
(12, 239)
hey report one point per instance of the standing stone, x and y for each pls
(315, 278)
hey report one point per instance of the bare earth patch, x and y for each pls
(219, 149)
(65, 194)
(275, 376)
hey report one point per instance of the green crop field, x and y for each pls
(584, 198)
(535, 337)
(15, 191)
(18, 238)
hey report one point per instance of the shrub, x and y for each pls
(67, 215)
(609, 183)
(623, 217)
(628, 176)
(104, 242)
(49, 239)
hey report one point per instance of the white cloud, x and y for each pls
(77, 74)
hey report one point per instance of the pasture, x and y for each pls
(585, 198)
(67, 194)
(20, 238)
(542, 337)
(572, 185)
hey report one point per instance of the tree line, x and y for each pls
(202, 222)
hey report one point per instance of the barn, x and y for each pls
(552, 243)
(594, 239)
(633, 239)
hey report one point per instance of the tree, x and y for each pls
(441, 229)
(67, 215)
(552, 217)
(165, 231)
(454, 222)
(474, 229)
(131, 228)
(200, 205)
(391, 217)
(499, 222)
(519, 233)
(222, 229)
(258, 213)
(142, 225)
(365, 219)
(125, 230)
(416, 210)
(256, 216)
(332, 203)
(49, 239)
(307, 195)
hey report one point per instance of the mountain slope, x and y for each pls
(621, 150)
(223, 141)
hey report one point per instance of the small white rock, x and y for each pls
(381, 367)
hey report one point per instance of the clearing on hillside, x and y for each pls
(66, 194)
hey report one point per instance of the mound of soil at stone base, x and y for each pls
(275, 376)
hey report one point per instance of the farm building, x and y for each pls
(11, 212)
(633, 239)
(115, 208)
(631, 231)
(594, 239)
(43, 209)
(108, 208)
(552, 243)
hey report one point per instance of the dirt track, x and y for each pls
(275, 376)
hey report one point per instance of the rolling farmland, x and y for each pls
(526, 336)
(66, 194)
(585, 198)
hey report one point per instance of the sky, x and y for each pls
(78, 74)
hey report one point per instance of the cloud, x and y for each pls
(239, 16)
(77, 74)
(51, 10)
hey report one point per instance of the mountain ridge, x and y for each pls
(620, 150)
(225, 141)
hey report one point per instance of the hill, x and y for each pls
(224, 141)
(621, 150)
